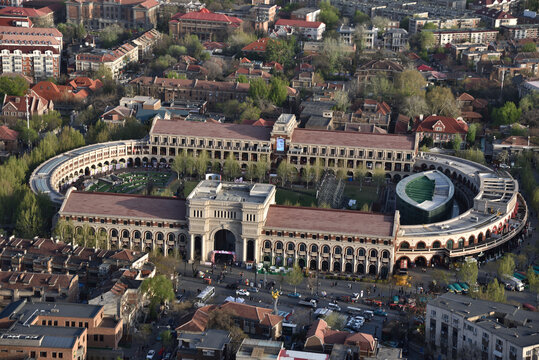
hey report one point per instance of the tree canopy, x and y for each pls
(507, 114)
(13, 85)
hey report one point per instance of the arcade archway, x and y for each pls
(224, 245)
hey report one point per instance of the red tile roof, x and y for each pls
(424, 68)
(465, 97)
(262, 122)
(123, 205)
(449, 125)
(339, 138)
(299, 23)
(6, 134)
(257, 46)
(25, 12)
(516, 141)
(329, 220)
(207, 15)
(211, 130)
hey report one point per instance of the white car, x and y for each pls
(150, 355)
(242, 292)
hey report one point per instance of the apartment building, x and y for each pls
(458, 326)
(146, 42)
(23, 106)
(208, 26)
(131, 14)
(312, 30)
(56, 331)
(472, 36)
(496, 18)
(26, 17)
(33, 52)
(524, 31)
(16, 285)
(459, 22)
(395, 40)
(114, 60)
(307, 14)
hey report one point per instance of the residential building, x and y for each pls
(251, 319)
(321, 338)
(505, 5)
(250, 74)
(472, 36)
(388, 68)
(496, 18)
(130, 14)
(8, 139)
(17, 285)
(312, 30)
(77, 89)
(514, 145)
(26, 17)
(528, 87)
(208, 26)
(459, 326)
(51, 257)
(116, 115)
(307, 14)
(58, 330)
(395, 40)
(521, 31)
(261, 17)
(374, 113)
(257, 46)
(33, 52)
(444, 22)
(254, 349)
(209, 345)
(441, 129)
(146, 42)
(27, 105)
(114, 60)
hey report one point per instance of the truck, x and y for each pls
(513, 283)
(308, 302)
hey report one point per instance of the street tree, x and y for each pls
(379, 178)
(259, 90)
(159, 289)
(183, 163)
(250, 172)
(318, 170)
(286, 172)
(29, 221)
(262, 167)
(415, 105)
(507, 114)
(166, 338)
(495, 291)
(335, 321)
(506, 265)
(533, 279)
(468, 272)
(410, 83)
(231, 167)
(201, 163)
(472, 133)
(360, 174)
(224, 320)
(441, 277)
(308, 174)
(295, 277)
(456, 142)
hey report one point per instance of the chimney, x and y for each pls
(420, 117)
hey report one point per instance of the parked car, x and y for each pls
(295, 295)
(334, 306)
(232, 286)
(253, 289)
(150, 354)
(368, 314)
(167, 356)
(380, 312)
(242, 292)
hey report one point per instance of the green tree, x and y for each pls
(382, 88)
(495, 292)
(441, 101)
(286, 172)
(13, 85)
(177, 50)
(259, 90)
(507, 114)
(183, 163)
(360, 174)
(472, 154)
(295, 277)
(159, 289)
(329, 14)
(380, 22)
(201, 163)
(250, 172)
(415, 105)
(342, 100)
(472, 133)
(262, 167)
(278, 91)
(441, 277)
(29, 221)
(318, 170)
(533, 279)
(468, 272)
(231, 167)
(242, 79)
(335, 321)
(166, 338)
(282, 51)
(430, 26)
(308, 174)
(506, 265)
(111, 36)
(456, 142)
(528, 47)
(362, 18)
(426, 40)
(224, 320)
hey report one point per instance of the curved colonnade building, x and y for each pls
(242, 222)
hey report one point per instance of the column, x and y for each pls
(203, 255)
(257, 250)
(192, 248)
(244, 250)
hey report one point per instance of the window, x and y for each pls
(61, 355)
(325, 249)
(433, 312)
(33, 354)
(54, 355)
(208, 352)
(95, 337)
(55, 322)
(43, 354)
(267, 244)
(445, 317)
(291, 235)
(101, 338)
(80, 323)
(314, 237)
(43, 322)
(290, 246)
(67, 324)
(86, 325)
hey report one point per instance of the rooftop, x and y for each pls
(260, 349)
(510, 322)
(26, 313)
(123, 205)
(210, 130)
(211, 339)
(231, 192)
(329, 220)
(351, 139)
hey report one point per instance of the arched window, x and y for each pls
(314, 248)
(449, 244)
(290, 246)
(148, 235)
(136, 234)
(361, 252)
(436, 245)
(182, 238)
(349, 251)
(267, 244)
(114, 233)
(302, 247)
(338, 250)
(125, 234)
(385, 254)
(171, 237)
(279, 245)
(373, 253)
(159, 236)
(325, 249)
(421, 245)
(405, 245)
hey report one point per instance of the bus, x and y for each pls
(206, 294)
(353, 310)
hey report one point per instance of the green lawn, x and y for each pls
(189, 185)
(134, 183)
(367, 195)
(303, 197)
